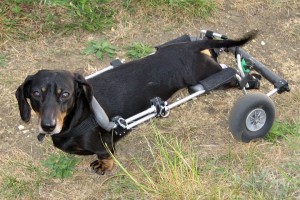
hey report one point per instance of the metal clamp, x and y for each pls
(160, 106)
(121, 126)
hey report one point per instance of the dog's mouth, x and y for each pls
(49, 132)
(42, 135)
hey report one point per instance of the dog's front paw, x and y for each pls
(102, 166)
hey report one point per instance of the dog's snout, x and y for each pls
(48, 126)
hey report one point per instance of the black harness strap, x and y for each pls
(84, 126)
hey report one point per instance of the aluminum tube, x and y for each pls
(181, 101)
(133, 124)
(150, 110)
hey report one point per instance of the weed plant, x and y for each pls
(100, 48)
(61, 165)
(138, 50)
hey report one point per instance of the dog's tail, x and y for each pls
(210, 44)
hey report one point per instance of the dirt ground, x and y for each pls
(205, 121)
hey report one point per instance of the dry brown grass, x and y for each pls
(228, 169)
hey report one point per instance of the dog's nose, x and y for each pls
(47, 127)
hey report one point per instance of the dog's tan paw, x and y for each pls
(102, 166)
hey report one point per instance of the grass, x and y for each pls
(281, 130)
(293, 33)
(14, 188)
(24, 177)
(171, 170)
(175, 172)
(178, 8)
(92, 15)
(20, 178)
(176, 162)
(29, 19)
(3, 60)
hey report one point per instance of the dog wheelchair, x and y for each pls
(252, 115)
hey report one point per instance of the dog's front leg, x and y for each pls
(101, 166)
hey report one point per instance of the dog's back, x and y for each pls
(127, 89)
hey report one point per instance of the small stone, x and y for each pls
(262, 43)
(26, 131)
(21, 127)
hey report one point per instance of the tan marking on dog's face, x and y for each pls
(58, 91)
(60, 122)
(206, 51)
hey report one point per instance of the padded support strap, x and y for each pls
(218, 79)
(100, 116)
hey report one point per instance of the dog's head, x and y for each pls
(52, 95)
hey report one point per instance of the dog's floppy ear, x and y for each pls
(21, 94)
(81, 85)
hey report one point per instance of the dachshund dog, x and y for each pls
(62, 100)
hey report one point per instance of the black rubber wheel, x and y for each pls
(251, 117)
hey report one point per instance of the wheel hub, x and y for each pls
(256, 119)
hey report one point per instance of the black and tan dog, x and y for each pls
(62, 99)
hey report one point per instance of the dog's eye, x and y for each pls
(65, 94)
(36, 94)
